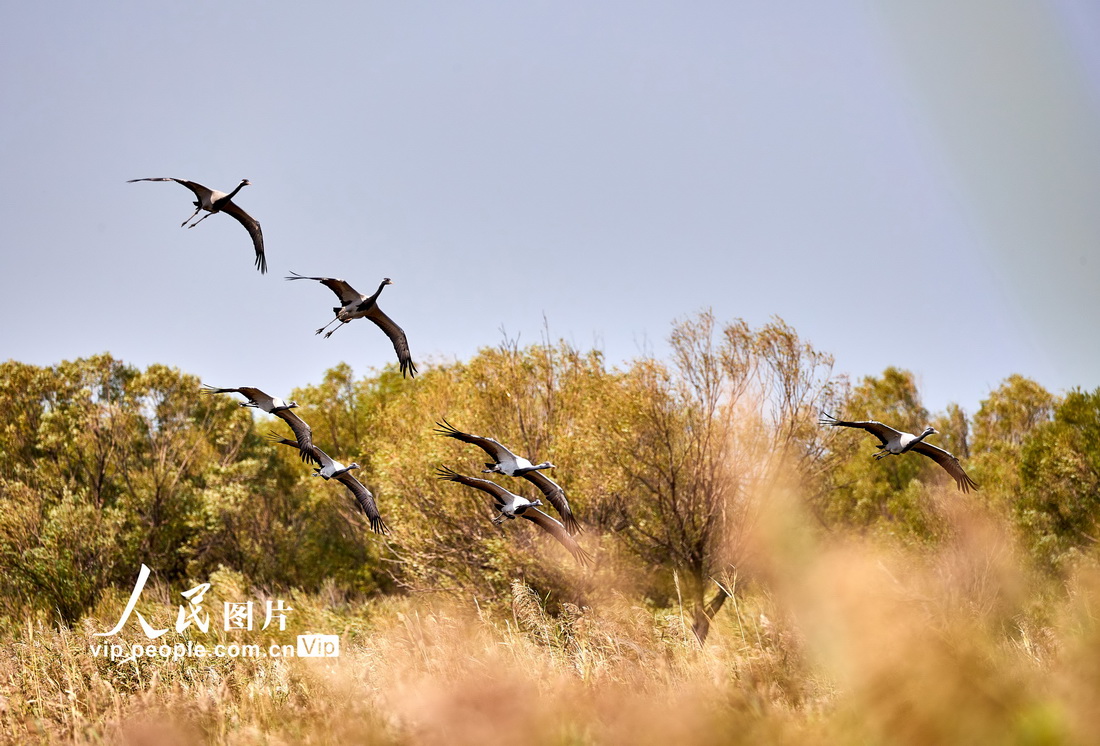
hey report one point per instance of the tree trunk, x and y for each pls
(704, 613)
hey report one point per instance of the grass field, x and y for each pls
(836, 640)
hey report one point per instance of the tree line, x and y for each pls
(668, 463)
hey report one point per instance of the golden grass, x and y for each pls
(842, 640)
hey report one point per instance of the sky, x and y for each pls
(906, 184)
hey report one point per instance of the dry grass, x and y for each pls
(842, 641)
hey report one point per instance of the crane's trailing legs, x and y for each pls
(339, 327)
(196, 212)
(204, 217)
(326, 326)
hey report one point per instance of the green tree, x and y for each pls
(107, 466)
(1059, 498)
(110, 458)
(1010, 412)
(1004, 422)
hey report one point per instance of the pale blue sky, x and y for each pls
(611, 166)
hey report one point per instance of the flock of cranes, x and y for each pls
(509, 505)
(353, 305)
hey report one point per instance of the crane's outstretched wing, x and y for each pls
(397, 336)
(556, 496)
(949, 463)
(884, 433)
(253, 229)
(345, 292)
(366, 502)
(317, 456)
(254, 395)
(203, 193)
(500, 495)
(496, 450)
(557, 530)
(303, 435)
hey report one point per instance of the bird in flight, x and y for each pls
(303, 434)
(329, 469)
(508, 463)
(511, 506)
(895, 443)
(214, 201)
(355, 305)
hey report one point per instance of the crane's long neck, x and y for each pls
(239, 188)
(534, 467)
(371, 300)
(927, 431)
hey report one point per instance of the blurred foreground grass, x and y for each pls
(836, 640)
